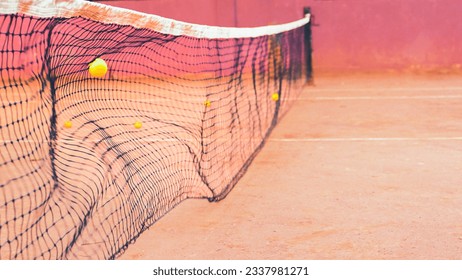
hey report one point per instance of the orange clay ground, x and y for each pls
(362, 167)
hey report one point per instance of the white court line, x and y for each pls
(366, 139)
(410, 88)
(399, 97)
(331, 139)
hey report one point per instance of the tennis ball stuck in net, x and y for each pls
(67, 124)
(137, 124)
(275, 96)
(98, 68)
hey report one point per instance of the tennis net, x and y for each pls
(88, 162)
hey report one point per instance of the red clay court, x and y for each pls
(362, 167)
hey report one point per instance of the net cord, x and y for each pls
(109, 14)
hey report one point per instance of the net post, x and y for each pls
(308, 46)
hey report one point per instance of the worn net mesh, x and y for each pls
(78, 178)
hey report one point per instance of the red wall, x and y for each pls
(348, 34)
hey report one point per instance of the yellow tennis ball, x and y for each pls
(98, 68)
(275, 96)
(138, 124)
(207, 103)
(67, 124)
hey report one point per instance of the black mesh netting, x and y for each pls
(78, 180)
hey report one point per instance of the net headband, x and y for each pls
(108, 14)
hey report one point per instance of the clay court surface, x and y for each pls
(361, 167)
